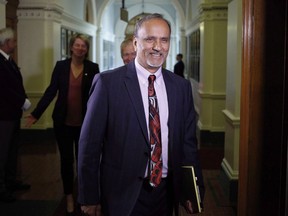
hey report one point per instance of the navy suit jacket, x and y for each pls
(114, 142)
(179, 68)
(60, 85)
(12, 93)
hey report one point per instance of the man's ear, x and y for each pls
(134, 43)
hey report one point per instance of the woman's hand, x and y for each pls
(30, 120)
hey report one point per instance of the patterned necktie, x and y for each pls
(155, 135)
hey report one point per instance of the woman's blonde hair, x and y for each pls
(82, 37)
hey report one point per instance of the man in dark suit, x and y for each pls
(13, 101)
(179, 66)
(116, 168)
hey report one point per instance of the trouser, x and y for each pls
(9, 143)
(67, 139)
(154, 201)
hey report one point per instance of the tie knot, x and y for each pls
(151, 78)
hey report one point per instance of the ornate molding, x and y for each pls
(213, 11)
(213, 15)
(213, 5)
(36, 13)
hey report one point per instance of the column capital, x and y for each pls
(39, 13)
(213, 11)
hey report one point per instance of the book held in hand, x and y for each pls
(190, 189)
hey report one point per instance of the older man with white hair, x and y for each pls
(13, 102)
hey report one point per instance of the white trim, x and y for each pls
(212, 95)
(232, 174)
(231, 118)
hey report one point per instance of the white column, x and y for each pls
(39, 47)
(213, 53)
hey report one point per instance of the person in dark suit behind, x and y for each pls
(13, 101)
(71, 80)
(179, 66)
(117, 161)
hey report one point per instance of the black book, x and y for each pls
(190, 189)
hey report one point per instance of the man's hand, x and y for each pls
(188, 207)
(91, 210)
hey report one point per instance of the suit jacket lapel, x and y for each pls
(134, 92)
(12, 66)
(171, 96)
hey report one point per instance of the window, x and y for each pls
(108, 55)
(65, 38)
(194, 55)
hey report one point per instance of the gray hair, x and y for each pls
(6, 34)
(147, 18)
(125, 43)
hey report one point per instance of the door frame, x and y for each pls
(263, 124)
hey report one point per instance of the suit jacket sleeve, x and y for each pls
(90, 143)
(49, 93)
(191, 145)
(12, 92)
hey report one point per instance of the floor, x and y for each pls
(39, 166)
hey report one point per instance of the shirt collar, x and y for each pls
(4, 54)
(143, 74)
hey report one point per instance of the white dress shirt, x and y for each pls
(161, 94)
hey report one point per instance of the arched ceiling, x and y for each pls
(174, 8)
(110, 27)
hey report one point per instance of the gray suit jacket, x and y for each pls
(114, 145)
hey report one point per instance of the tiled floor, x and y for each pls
(39, 166)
